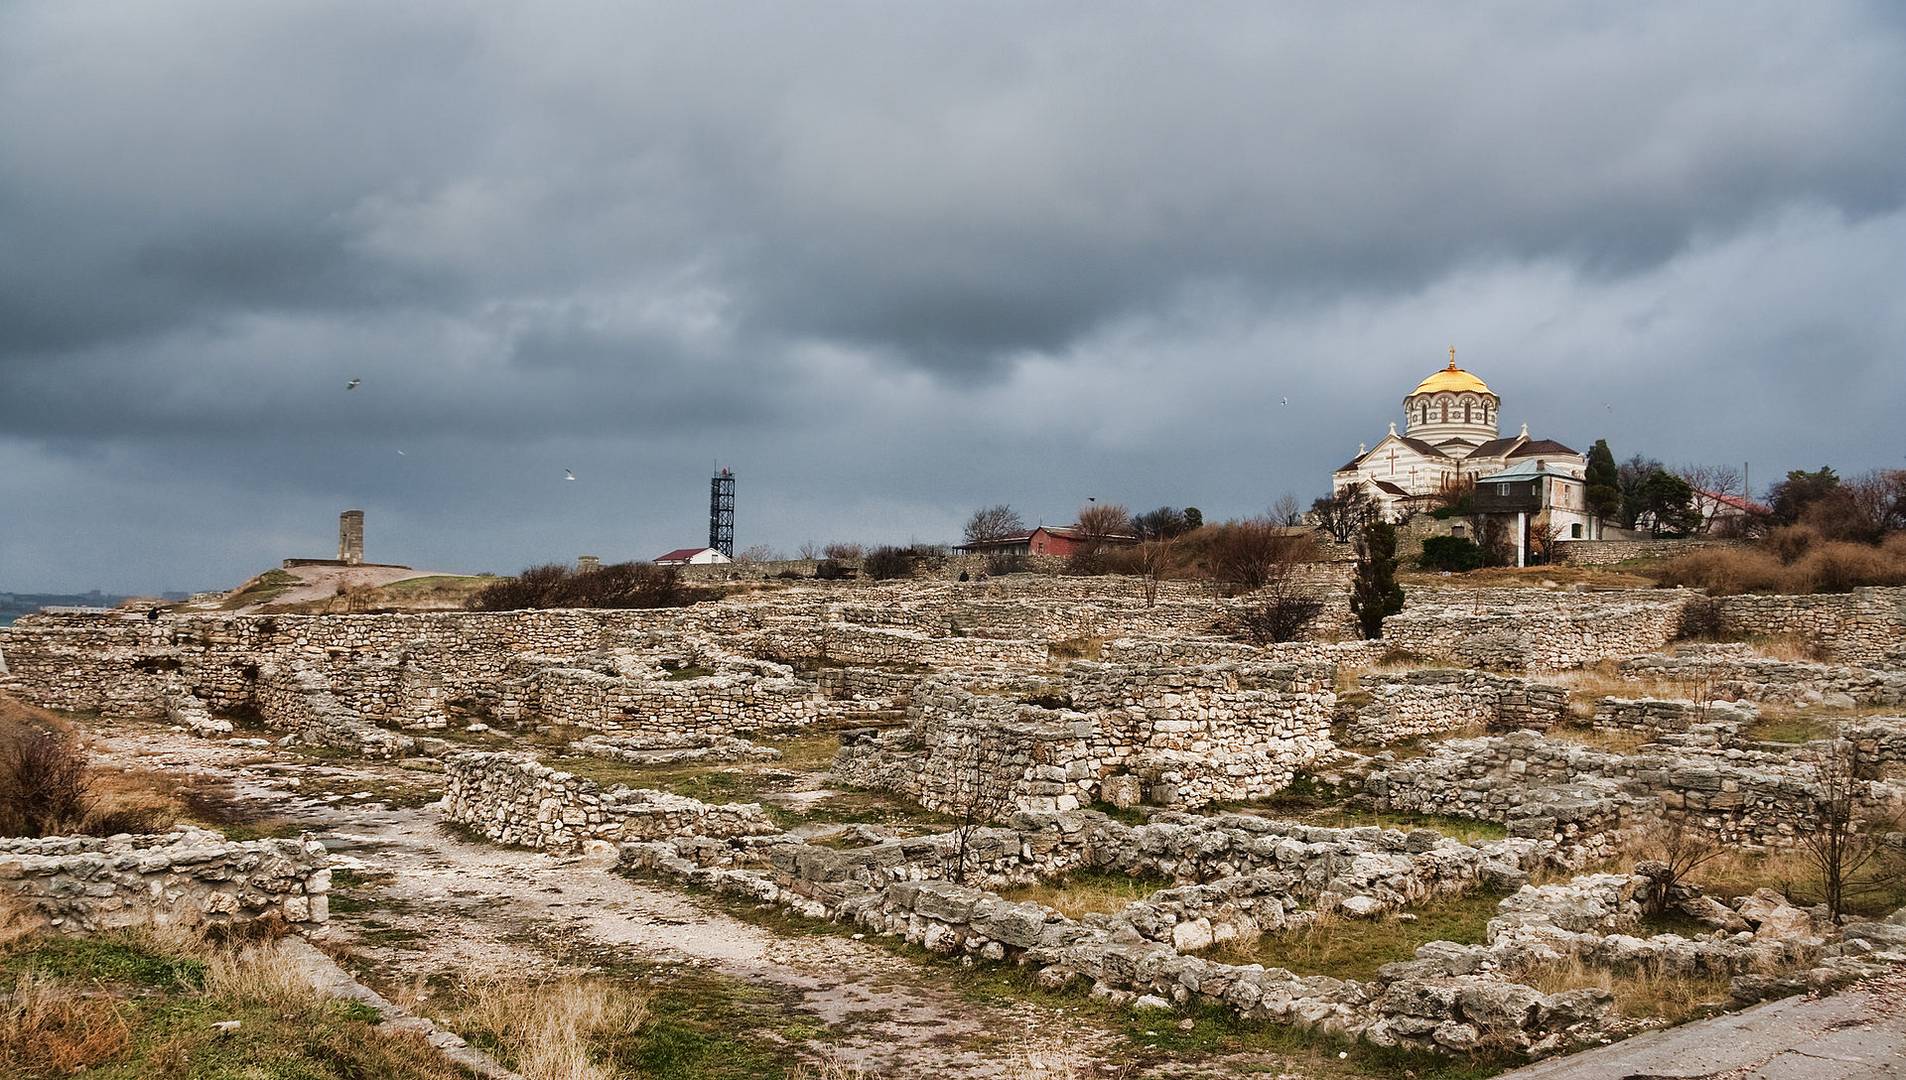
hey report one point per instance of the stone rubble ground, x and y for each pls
(1031, 705)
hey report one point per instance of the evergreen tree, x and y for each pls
(1604, 482)
(1375, 594)
(1194, 518)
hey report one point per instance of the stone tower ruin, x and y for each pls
(351, 538)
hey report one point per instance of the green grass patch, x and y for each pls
(1791, 728)
(689, 671)
(1355, 948)
(262, 589)
(122, 1008)
(108, 959)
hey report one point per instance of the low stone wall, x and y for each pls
(1736, 672)
(512, 798)
(720, 704)
(1609, 552)
(1430, 701)
(1189, 735)
(1653, 716)
(1742, 796)
(1864, 626)
(1535, 629)
(301, 704)
(189, 878)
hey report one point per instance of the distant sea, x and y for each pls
(14, 605)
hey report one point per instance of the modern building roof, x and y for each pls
(1524, 470)
(681, 554)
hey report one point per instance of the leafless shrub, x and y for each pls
(982, 792)
(1675, 849)
(841, 551)
(43, 784)
(1846, 833)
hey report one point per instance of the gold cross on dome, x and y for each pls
(1452, 358)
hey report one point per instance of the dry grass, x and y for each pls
(1793, 648)
(1087, 892)
(1799, 561)
(1587, 685)
(1559, 576)
(1646, 993)
(553, 1029)
(48, 1030)
(1608, 740)
(1355, 948)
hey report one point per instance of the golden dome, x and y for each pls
(1451, 379)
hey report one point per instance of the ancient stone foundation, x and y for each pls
(191, 879)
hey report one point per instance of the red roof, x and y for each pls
(680, 554)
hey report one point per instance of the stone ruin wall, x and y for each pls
(511, 798)
(1610, 552)
(1433, 701)
(1741, 796)
(1533, 629)
(1191, 736)
(190, 878)
(1735, 672)
(707, 707)
(1865, 626)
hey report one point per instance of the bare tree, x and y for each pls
(840, 551)
(1713, 485)
(1156, 558)
(1163, 523)
(992, 523)
(1287, 510)
(982, 792)
(1847, 832)
(758, 553)
(810, 550)
(1244, 556)
(1344, 514)
(1100, 526)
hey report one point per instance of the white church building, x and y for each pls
(1450, 441)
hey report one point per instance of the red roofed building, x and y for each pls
(1059, 540)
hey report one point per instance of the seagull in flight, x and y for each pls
(1287, 401)
(567, 475)
(400, 453)
(352, 385)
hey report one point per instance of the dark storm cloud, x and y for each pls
(885, 258)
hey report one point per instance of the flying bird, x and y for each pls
(1287, 401)
(352, 385)
(567, 475)
(400, 453)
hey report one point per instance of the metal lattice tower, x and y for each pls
(721, 512)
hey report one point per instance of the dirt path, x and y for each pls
(448, 907)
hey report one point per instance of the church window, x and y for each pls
(1443, 411)
(1466, 417)
(1422, 409)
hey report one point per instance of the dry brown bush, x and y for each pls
(1795, 559)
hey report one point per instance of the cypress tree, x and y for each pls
(1604, 482)
(1375, 595)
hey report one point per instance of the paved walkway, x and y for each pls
(1854, 1035)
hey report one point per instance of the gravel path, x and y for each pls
(466, 907)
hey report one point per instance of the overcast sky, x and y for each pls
(891, 261)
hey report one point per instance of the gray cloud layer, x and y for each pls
(890, 261)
